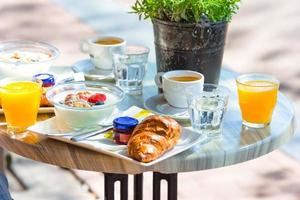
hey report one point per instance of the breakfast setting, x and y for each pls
(119, 113)
(86, 109)
(102, 105)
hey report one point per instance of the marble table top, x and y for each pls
(237, 143)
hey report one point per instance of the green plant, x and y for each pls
(187, 10)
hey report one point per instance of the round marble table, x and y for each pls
(237, 143)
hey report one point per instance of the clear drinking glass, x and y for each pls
(257, 98)
(206, 108)
(130, 68)
(20, 100)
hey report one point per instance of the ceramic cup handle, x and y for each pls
(84, 46)
(158, 79)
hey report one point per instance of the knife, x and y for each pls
(81, 137)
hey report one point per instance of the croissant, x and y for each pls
(153, 137)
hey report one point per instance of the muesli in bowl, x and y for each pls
(26, 58)
(84, 104)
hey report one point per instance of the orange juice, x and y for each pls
(257, 99)
(20, 102)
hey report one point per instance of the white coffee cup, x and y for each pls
(102, 54)
(174, 90)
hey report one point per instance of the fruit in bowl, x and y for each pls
(84, 104)
(25, 58)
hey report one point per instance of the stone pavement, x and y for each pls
(262, 37)
(46, 182)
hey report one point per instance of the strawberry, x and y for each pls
(98, 97)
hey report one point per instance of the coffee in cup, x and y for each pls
(175, 83)
(101, 50)
(109, 41)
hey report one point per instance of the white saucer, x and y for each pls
(91, 72)
(158, 105)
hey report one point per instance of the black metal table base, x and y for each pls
(109, 185)
(111, 179)
(138, 187)
(172, 185)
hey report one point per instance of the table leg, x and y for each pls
(172, 185)
(10, 169)
(109, 187)
(1, 160)
(138, 187)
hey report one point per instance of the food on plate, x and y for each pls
(123, 128)
(82, 104)
(84, 99)
(153, 137)
(48, 82)
(24, 57)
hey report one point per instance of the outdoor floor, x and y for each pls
(263, 37)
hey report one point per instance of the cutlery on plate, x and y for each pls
(70, 134)
(84, 136)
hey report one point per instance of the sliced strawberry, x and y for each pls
(98, 97)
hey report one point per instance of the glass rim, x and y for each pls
(125, 55)
(38, 82)
(266, 76)
(145, 50)
(55, 53)
(218, 87)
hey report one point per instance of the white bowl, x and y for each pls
(84, 117)
(19, 68)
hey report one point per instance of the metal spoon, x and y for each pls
(84, 136)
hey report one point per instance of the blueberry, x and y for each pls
(99, 103)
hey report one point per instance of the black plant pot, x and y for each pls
(190, 46)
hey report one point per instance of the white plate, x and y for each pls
(158, 105)
(102, 145)
(91, 72)
(188, 139)
(106, 146)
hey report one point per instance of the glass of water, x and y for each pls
(130, 69)
(206, 108)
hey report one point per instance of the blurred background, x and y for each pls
(263, 37)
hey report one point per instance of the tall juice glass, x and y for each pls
(257, 98)
(20, 102)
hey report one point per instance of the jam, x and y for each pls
(123, 128)
(47, 79)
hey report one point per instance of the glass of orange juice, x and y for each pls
(257, 98)
(20, 101)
